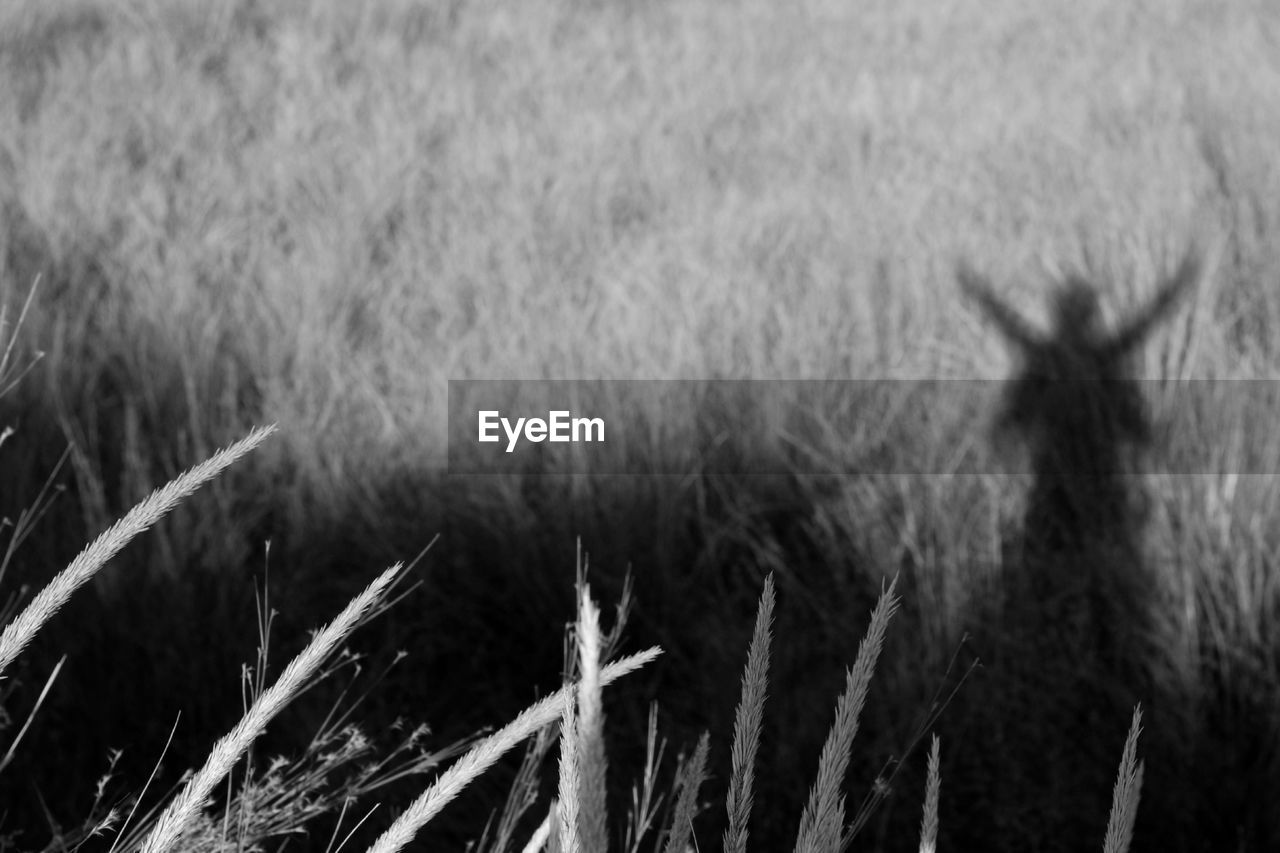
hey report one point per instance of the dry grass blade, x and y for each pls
(570, 812)
(1124, 800)
(482, 756)
(746, 725)
(44, 693)
(18, 633)
(645, 799)
(691, 779)
(933, 783)
(10, 375)
(591, 764)
(823, 819)
(227, 751)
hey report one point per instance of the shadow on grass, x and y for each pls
(1073, 644)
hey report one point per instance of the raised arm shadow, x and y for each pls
(1009, 322)
(1130, 336)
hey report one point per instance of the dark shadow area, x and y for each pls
(484, 633)
(1071, 647)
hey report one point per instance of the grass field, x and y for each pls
(315, 214)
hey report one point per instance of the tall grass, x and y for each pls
(314, 214)
(414, 248)
(184, 814)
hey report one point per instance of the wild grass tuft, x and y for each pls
(1124, 799)
(227, 751)
(18, 633)
(646, 799)
(747, 722)
(689, 781)
(285, 796)
(589, 735)
(569, 811)
(929, 823)
(484, 754)
(822, 825)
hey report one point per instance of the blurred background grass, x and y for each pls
(317, 213)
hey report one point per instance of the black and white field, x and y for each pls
(977, 299)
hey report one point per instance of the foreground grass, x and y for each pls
(578, 820)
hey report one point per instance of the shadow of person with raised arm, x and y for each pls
(1075, 635)
(1078, 407)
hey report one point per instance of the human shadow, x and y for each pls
(1074, 636)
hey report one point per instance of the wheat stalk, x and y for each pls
(929, 823)
(483, 755)
(18, 633)
(690, 782)
(746, 725)
(591, 765)
(1124, 799)
(570, 810)
(227, 751)
(823, 819)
